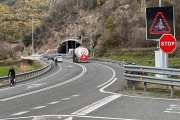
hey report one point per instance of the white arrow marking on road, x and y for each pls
(34, 85)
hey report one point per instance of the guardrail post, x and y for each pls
(133, 85)
(145, 86)
(172, 90)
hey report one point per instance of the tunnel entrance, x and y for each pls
(67, 46)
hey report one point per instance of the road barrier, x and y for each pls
(146, 74)
(108, 60)
(27, 75)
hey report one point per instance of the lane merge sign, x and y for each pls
(167, 43)
(159, 21)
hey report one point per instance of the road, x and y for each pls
(86, 91)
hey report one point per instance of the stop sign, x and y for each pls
(167, 43)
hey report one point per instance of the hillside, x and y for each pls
(16, 18)
(112, 24)
(16, 21)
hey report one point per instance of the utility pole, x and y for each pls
(77, 3)
(32, 36)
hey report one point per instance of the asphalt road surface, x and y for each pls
(86, 91)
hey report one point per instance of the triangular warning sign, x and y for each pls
(160, 25)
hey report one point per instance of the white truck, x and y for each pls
(80, 54)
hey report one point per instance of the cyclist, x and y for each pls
(12, 76)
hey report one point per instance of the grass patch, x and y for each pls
(147, 60)
(21, 66)
(154, 90)
(144, 60)
(4, 70)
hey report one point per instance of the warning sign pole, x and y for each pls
(161, 58)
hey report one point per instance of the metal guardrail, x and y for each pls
(146, 74)
(27, 75)
(108, 60)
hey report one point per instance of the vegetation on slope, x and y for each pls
(113, 24)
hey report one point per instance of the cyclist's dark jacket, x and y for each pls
(12, 73)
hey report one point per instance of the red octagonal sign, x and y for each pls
(167, 43)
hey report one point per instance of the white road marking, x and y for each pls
(86, 110)
(19, 113)
(102, 89)
(75, 95)
(63, 99)
(96, 105)
(109, 79)
(38, 107)
(60, 116)
(173, 109)
(171, 112)
(38, 118)
(68, 118)
(35, 85)
(55, 102)
(47, 88)
(174, 105)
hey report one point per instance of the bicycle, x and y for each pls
(12, 81)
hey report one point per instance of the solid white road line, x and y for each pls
(114, 74)
(60, 116)
(102, 89)
(47, 88)
(96, 105)
(19, 113)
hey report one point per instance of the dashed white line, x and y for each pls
(174, 105)
(55, 102)
(171, 112)
(19, 113)
(38, 107)
(63, 99)
(75, 95)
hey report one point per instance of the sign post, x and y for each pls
(160, 21)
